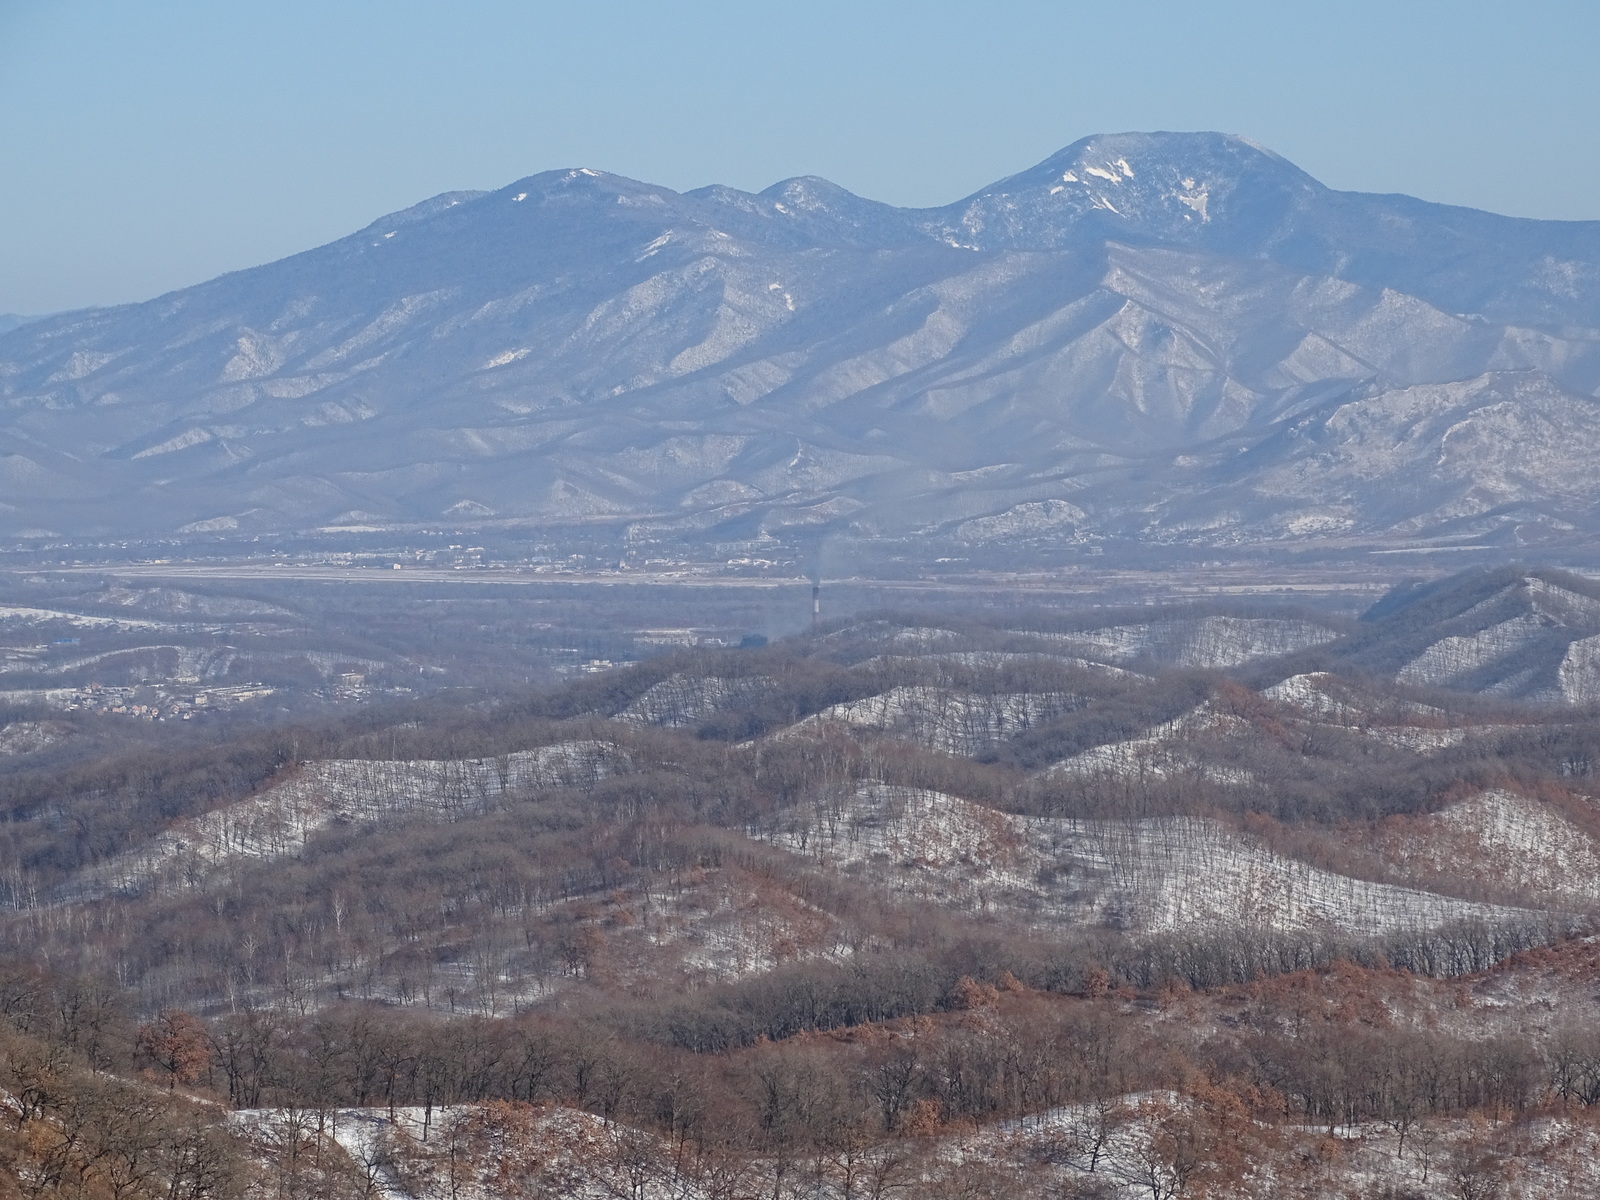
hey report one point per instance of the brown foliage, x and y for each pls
(178, 1044)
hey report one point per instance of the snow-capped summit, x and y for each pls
(1197, 189)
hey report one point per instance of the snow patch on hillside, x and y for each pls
(992, 660)
(1419, 728)
(1163, 751)
(681, 700)
(1318, 693)
(735, 931)
(1419, 739)
(25, 737)
(1110, 1148)
(1517, 843)
(1450, 661)
(1558, 605)
(1179, 872)
(1031, 519)
(483, 1152)
(922, 843)
(175, 602)
(1213, 642)
(35, 616)
(278, 820)
(945, 719)
(1150, 876)
(1578, 676)
(906, 637)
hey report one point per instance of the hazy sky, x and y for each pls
(150, 144)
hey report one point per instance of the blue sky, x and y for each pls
(149, 144)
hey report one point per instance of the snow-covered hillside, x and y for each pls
(1525, 634)
(944, 719)
(1146, 876)
(1162, 751)
(685, 700)
(314, 795)
(1518, 844)
(1214, 641)
(1405, 725)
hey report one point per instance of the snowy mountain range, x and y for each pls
(1147, 339)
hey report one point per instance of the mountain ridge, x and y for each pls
(1156, 336)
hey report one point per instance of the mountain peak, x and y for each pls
(808, 209)
(811, 191)
(572, 182)
(1184, 188)
(1161, 144)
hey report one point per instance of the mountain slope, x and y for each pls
(1177, 338)
(1528, 634)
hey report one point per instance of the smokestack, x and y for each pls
(816, 605)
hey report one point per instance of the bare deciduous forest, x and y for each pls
(955, 905)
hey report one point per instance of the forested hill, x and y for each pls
(1001, 904)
